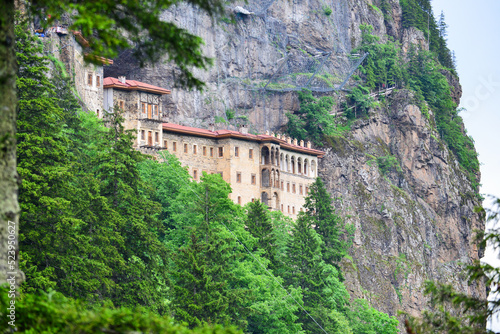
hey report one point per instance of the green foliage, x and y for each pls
(367, 320)
(383, 66)
(430, 84)
(336, 236)
(327, 10)
(358, 103)
(418, 14)
(313, 120)
(53, 313)
(388, 163)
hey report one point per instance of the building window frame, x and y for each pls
(238, 177)
(221, 151)
(90, 79)
(195, 174)
(185, 148)
(204, 149)
(236, 151)
(211, 152)
(195, 149)
(250, 153)
(253, 179)
(174, 146)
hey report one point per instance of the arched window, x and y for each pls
(313, 168)
(299, 165)
(276, 201)
(293, 164)
(264, 155)
(306, 165)
(265, 177)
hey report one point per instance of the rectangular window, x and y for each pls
(122, 105)
(89, 79)
(174, 146)
(204, 150)
(185, 148)
(144, 109)
(239, 200)
(293, 210)
(143, 135)
(150, 138)
(238, 177)
(157, 137)
(165, 144)
(221, 152)
(211, 151)
(300, 189)
(293, 188)
(282, 185)
(250, 154)
(195, 149)
(155, 110)
(236, 151)
(97, 81)
(288, 186)
(254, 179)
(195, 174)
(307, 190)
(281, 207)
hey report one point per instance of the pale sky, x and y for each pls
(474, 34)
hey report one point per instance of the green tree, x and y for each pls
(205, 289)
(258, 223)
(364, 319)
(336, 237)
(313, 120)
(320, 283)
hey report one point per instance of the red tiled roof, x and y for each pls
(220, 134)
(111, 82)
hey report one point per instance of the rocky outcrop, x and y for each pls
(414, 219)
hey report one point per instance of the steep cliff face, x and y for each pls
(248, 52)
(413, 215)
(410, 202)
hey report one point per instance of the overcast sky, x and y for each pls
(474, 34)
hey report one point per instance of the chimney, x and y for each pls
(211, 127)
(294, 141)
(302, 143)
(122, 79)
(243, 129)
(308, 144)
(289, 140)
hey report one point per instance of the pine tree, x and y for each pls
(258, 223)
(321, 216)
(116, 166)
(322, 289)
(206, 290)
